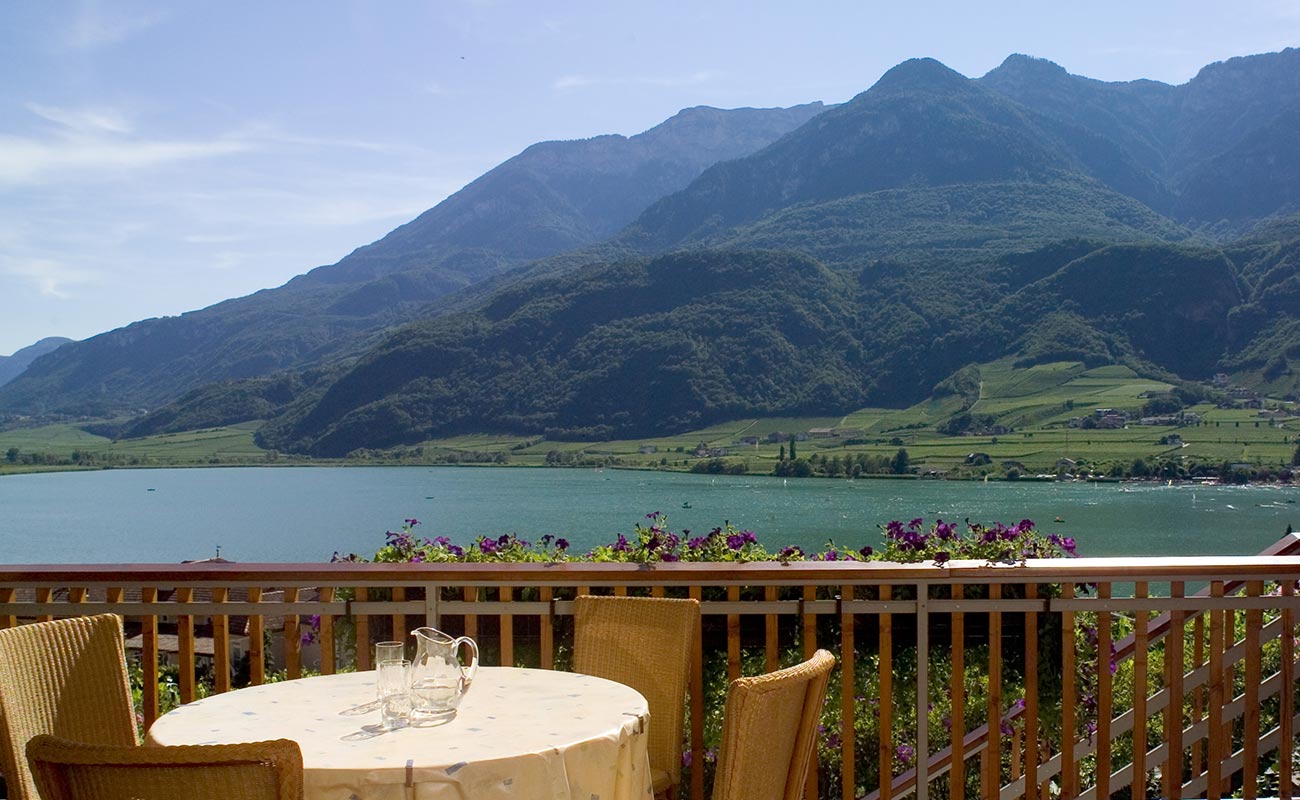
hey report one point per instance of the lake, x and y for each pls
(306, 513)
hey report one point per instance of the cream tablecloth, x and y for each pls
(520, 733)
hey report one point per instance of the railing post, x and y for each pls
(1031, 697)
(185, 645)
(885, 701)
(362, 623)
(809, 638)
(256, 650)
(992, 778)
(1105, 698)
(1069, 700)
(7, 620)
(1214, 766)
(1250, 721)
(733, 637)
(149, 659)
(1287, 724)
(1138, 786)
(433, 606)
(848, 689)
(326, 634)
(1173, 768)
(220, 644)
(697, 703)
(547, 626)
(957, 688)
(505, 596)
(292, 640)
(922, 691)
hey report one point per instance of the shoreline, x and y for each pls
(10, 470)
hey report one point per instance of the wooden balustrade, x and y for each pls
(1038, 640)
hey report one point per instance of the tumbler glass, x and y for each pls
(394, 689)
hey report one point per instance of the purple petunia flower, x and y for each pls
(561, 544)
(487, 546)
(735, 541)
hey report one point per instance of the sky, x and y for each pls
(160, 157)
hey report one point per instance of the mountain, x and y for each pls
(922, 125)
(842, 265)
(552, 197)
(865, 257)
(686, 340)
(12, 366)
(1223, 145)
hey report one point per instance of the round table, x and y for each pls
(519, 733)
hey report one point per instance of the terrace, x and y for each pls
(1200, 701)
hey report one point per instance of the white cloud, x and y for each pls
(84, 120)
(96, 26)
(200, 238)
(25, 160)
(50, 278)
(577, 81)
(572, 82)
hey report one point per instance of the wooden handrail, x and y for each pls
(533, 599)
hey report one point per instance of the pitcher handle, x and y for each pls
(467, 673)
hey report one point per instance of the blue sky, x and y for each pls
(160, 157)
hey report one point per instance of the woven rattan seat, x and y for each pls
(645, 643)
(66, 678)
(65, 770)
(768, 732)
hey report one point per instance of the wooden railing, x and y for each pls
(1203, 692)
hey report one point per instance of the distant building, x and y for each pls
(647, 449)
(820, 433)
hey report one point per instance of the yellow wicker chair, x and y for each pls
(66, 678)
(65, 770)
(768, 732)
(645, 643)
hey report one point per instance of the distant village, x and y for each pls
(1099, 419)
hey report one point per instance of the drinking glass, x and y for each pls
(389, 651)
(394, 689)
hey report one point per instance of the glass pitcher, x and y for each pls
(438, 681)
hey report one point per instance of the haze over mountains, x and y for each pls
(13, 365)
(552, 197)
(769, 262)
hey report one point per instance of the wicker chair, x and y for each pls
(66, 678)
(65, 770)
(768, 732)
(645, 643)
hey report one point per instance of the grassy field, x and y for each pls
(68, 443)
(1037, 404)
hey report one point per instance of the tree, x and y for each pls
(1295, 457)
(793, 457)
(11, 455)
(900, 464)
(782, 458)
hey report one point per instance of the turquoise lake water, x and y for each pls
(306, 513)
